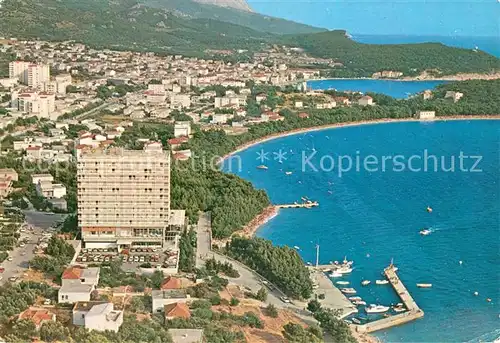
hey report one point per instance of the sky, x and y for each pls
(393, 17)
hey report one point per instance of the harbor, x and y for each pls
(413, 311)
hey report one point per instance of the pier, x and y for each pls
(413, 311)
(302, 205)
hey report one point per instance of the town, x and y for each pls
(88, 141)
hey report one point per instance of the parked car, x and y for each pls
(285, 300)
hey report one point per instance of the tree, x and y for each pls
(314, 306)
(336, 327)
(234, 301)
(187, 258)
(261, 294)
(297, 334)
(272, 311)
(24, 329)
(157, 279)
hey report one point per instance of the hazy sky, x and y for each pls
(404, 17)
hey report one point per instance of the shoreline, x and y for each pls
(419, 78)
(272, 211)
(349, 124)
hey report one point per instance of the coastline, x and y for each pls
(272, 211)
(349, 124)
(421, 77)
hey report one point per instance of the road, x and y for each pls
(43, 220)
(248, 279)
(94, 110)
(20, 256)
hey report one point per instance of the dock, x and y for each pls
(413, 311)
(302, 205)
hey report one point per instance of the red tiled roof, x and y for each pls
(33, 148)
(177, 310)
(37, 316)
(180, 156)
(171, 283)
(72, 273)
(178, 140)
(303, 115)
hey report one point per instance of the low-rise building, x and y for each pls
(7, 177)
(176, 310)
(425, 115)
(182, 128)
(38, 316)
(97, 315)
(77, 284)
(365, 101)
(170, 296)
(186, 335)
(454, 95)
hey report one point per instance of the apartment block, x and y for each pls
(41, 104)
(124, 196)
(30, 74)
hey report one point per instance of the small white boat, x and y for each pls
(348, 290)
(425, 232)
(381, 282)
(288, 173)
(335, 274)
(359, 303)
(429, 209)
(356, 321)
(424, 285)
(262, 167)
(356, 298)
(342, 282)
(296, 247)
(365, 282)
(344, 270)
(376, 309)
(399, 308)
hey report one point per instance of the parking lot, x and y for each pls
(17, 262)
(131, 258)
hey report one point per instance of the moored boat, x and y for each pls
(399, 308)
(356, 298)
(381, 282)
(424, 285)
(348, 290)
(342, 282)
(344, 270)
(262, 167)
(359, 303)
(365, 282)
(376, 309)
(335, 274)
(356, 321)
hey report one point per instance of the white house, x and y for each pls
(97, 315)
(365, 101)
(182, 129)
(425, 115)
(77, 284)
(37, 178)
(454, 95)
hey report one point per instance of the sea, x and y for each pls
(395, 88)
(372, 211)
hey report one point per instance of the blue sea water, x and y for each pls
(396, 89)
(374, 216)
(490, 45)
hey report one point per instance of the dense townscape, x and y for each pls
(117, 224)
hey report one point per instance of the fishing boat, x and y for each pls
(262, 167)
(288, 173)
(356, 321)
(376, 309)
(335, 274)
(365, 282)
(381, 282)
(342, 282)
(424, 285)
(348, 290)
(425, 232)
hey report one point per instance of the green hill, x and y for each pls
(365, 59)
(252, 20)
(121, 24)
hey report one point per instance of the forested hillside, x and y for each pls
(411, 59)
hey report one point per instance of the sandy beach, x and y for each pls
(347, 124)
